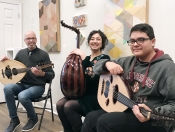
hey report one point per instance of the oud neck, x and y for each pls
(22, 70)
(148, 114)
(78, 40)
(129, 103)
(124, 100)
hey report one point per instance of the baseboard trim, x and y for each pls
(41, 104)
(2, 102)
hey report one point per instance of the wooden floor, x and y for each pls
(47, 124)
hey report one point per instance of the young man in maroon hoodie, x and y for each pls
(154, 73)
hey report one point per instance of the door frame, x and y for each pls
(19, 15)
(20, 27)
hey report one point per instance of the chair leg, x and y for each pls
(51, 106)
(42, 114)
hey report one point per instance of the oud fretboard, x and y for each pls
(22, 70)
(124, 100)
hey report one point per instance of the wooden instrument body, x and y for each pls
(13, 71)
(4, 65)
(106, 94)
(72, 79)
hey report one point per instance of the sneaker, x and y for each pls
(30, 124)
(14, 123)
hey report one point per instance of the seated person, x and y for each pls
(69, 110)
(31, 86)
(153, 74)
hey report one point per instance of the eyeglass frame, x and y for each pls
(33, 38)
(131, 44)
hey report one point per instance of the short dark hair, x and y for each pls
(103, 36)
(143, 27)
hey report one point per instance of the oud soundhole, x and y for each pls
(107, 102)
(111, 78)
(8, 72)
(115, 93)
(107, 89)
(102, 89)
(15, 71)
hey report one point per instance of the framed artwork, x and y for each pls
(79, 3)
(120, 17)
(79, 21)
(49, 22)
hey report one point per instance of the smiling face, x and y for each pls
(95, 42)
(30, 40)
(144, 51)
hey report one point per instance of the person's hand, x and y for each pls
(4, 58)
(78, 52)
(137, 113)
(114, 68)
(37, 72)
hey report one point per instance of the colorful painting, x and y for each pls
(79, 21)
(79, 3)
(49, 22)
(120, 17)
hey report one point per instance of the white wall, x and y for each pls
(94, 11)
(161, 17)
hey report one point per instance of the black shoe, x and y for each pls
(14, 123)
(30, 124)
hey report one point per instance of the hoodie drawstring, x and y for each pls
(157, 55)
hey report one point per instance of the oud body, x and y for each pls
(7, 77)
(107, 96)
(12, 71)
(115, 95)
(72, 77)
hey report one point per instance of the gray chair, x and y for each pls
(44, 97)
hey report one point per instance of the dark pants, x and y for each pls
(70, 112)
(100, 121)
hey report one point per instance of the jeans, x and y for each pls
(25, 94)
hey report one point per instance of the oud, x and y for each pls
(13, 71)
(72, 79)
(114, 94)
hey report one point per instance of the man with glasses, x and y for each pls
(31, 86)
(151, 74)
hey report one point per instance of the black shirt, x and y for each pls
(36, 57)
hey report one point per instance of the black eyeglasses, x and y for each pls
(138, 41)
(30, 38)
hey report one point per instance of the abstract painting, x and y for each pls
(79, 21)
(120, 17)
(49, 21)
(79, 3)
